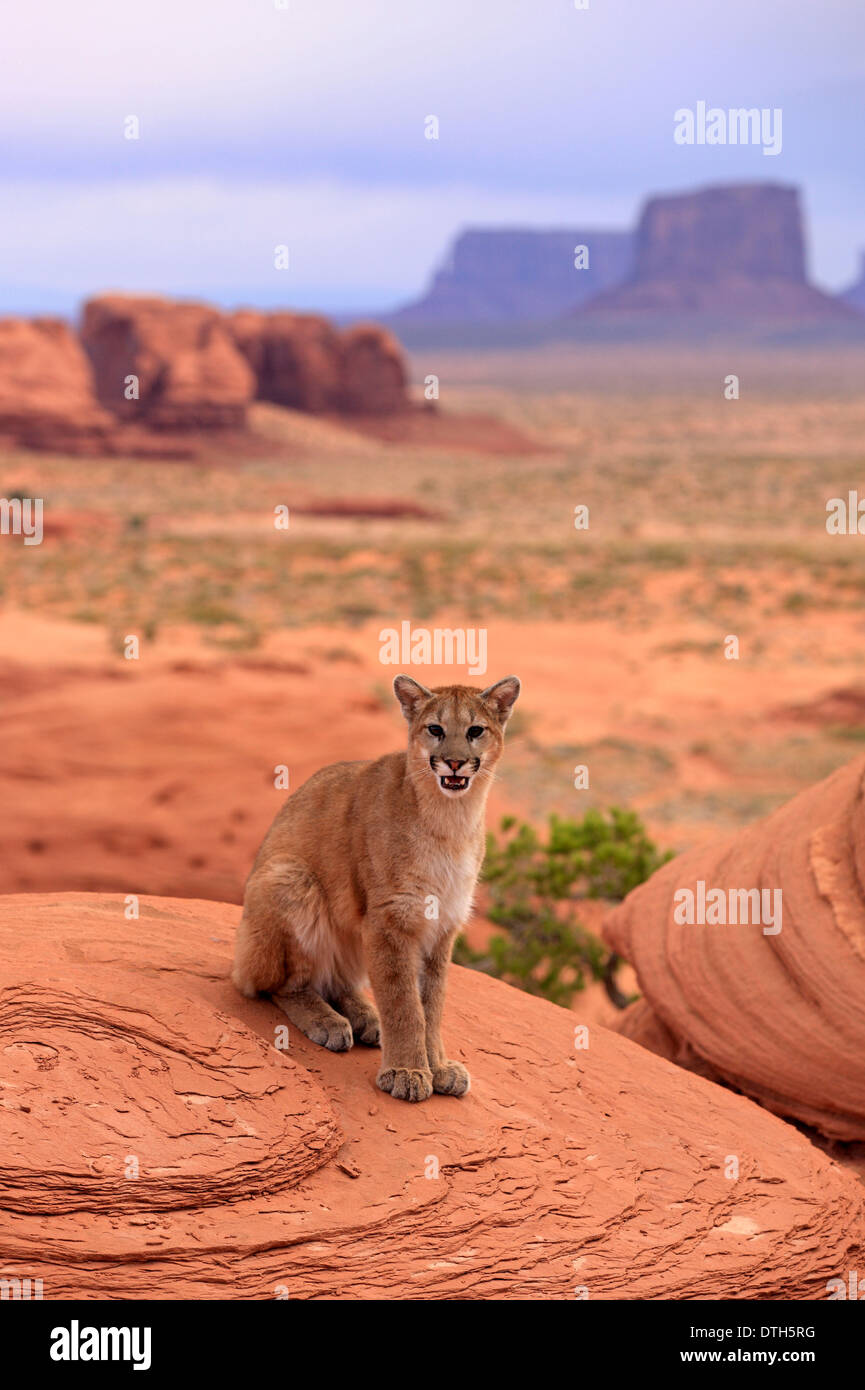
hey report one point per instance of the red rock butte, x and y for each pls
(736, 250)
(47, 398)
(199, 369)
(302, 361)
(779, 1014)
(163, 378)
(161, 1142)
(188, 374)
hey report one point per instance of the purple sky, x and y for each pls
(304, 126)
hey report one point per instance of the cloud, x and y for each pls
(529, 96)
(305, 124)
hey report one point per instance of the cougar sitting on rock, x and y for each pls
(368, 871)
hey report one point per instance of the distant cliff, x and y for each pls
(521, 275)
(855, 295)
(735, 250)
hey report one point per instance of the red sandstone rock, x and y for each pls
(295, 358)
(779, 1016)
(190, 373)
(842, 708)
(157, 1143)
(47, 399)
(373, 378)
(300, 360)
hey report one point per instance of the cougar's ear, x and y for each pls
(410, 695)
(502, 696)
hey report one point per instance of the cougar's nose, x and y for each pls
(454, 763)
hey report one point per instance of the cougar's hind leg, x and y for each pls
(281, 944)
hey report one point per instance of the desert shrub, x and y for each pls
(535, 882)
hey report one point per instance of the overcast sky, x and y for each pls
(304, 126)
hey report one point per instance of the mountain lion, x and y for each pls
(369, 870)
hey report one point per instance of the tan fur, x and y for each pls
(341, 888)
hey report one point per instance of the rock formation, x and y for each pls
(47, 398)
(521, 275)
(373, 376)
(190, 375)
(855, 295)
(779, 1016)
(732, 251)
(302, 361)
(294, 358)
(163, 1137)
(154, 376)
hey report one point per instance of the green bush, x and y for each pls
(534, 883)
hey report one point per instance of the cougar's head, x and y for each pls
(456, 733)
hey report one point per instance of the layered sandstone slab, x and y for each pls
(159, 1142)
(188, 373)
(47, 396)
(779, 1015)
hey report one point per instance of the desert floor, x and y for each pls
(259, 647)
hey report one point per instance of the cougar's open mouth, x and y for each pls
(453, 783)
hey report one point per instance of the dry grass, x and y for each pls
(707, 517)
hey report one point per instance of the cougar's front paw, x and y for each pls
(451, 1079)
(406, 1084)
(335, 1035)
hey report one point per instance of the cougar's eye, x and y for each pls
(436, 730)
(476, 730)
